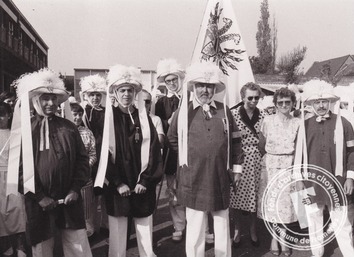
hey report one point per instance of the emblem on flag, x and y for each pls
(220, 42)
(214, 37)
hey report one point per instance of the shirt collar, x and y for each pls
(196, 104)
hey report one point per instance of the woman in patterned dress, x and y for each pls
(248, 119)
(277, 143)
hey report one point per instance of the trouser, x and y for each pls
(88, 198)
(75, 243)
(117, 236)
(195, 237)
(343, 235)
(178, 212)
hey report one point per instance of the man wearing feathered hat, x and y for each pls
(131, 163)
(55, 166)
(170, 73)
(329, 140)
(210, 157)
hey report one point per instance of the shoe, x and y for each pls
(286, 250)
(236, 244)
(255, 243)
(274, 247)
(177, 236)
(209, 238)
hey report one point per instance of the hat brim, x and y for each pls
(102, 91)
(219, 86)
(161, 78)
(136, 85)
(62, 95)
(331, 98)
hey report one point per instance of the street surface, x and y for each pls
(165, 247)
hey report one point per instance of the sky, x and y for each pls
(101, 33)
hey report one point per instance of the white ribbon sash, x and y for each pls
(21, 131)
(107, 130)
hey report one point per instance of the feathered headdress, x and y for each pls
(119, 75)
(166, 67)
(40, 82)
(318, 89)
(93, 83)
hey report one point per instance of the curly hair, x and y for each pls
(283, 92)
(250, 86)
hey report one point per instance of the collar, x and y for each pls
(170, 94)
(196, 104)
(322, 118)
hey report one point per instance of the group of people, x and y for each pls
(110, 151)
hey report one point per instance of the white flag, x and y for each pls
(220, 41)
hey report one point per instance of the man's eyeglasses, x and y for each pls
(147, 101)
(281, 103)
(250, 98)
(171, 81)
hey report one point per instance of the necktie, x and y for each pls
(206, 111)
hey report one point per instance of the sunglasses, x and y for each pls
(281, 103)
(147, 101)
(250, 98)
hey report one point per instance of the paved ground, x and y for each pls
(164, 247)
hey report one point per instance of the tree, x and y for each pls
(274, 40)
(289, 64)
(263, 37)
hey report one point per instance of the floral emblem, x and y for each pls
(214, 37)
(207, 76)
(127, 77)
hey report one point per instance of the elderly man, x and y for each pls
(61, 168)
(330, 146)
(134, 163)
(209, 146)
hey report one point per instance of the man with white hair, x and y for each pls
(130, 163)
(210, 157)
(60, 165)
(330, 146)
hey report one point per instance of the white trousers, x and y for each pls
(75, 243)
(178, 212)
(195, 235)
(344, 236)
(118, 236)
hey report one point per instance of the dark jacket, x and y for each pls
(58, 170)
(127, 168)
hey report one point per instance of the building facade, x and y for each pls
(22, 50)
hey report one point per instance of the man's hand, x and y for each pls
(47, 203)
(71, 198)
(236, 179)
(123, 190)
(349, 186)
(139, 189)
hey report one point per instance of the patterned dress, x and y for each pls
(280, 149)
(245, 198)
